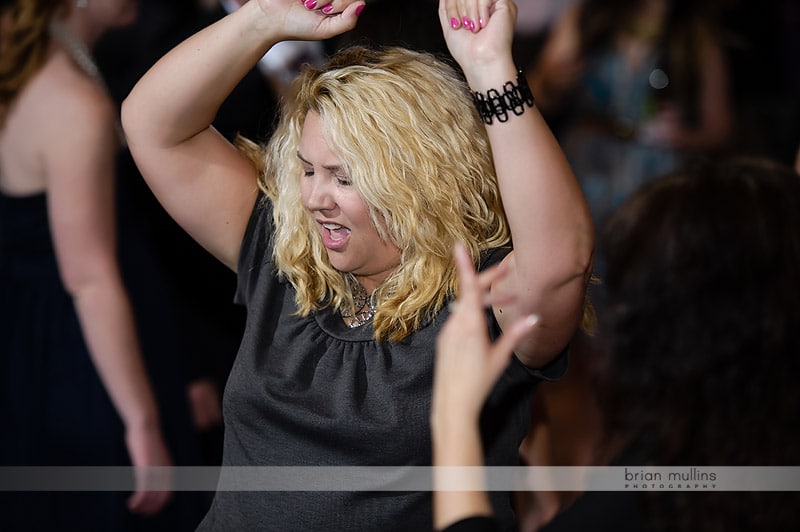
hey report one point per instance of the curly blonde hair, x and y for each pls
(403, 126)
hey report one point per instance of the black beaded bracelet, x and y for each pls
(495, 104)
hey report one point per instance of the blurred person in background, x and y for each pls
(633, 87)
(703, 279)
(190, 318)
(75, 391)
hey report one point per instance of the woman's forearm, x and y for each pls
(458, 476)
(548, 216)
(108, 326)
(545, 207)
(550, 224)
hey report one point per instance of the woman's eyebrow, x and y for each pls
(334, 169)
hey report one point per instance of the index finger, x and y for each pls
(470, 292)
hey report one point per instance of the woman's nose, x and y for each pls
(320, 195)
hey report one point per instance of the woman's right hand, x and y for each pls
(467, 363)
(312, 21)
(478, 45)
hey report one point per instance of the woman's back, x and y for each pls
(75, 388)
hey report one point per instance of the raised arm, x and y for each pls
(467, 367)
(204, 183)
(550, 223)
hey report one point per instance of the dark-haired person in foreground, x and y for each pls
(703, 286)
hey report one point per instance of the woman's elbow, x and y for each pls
(128, 117)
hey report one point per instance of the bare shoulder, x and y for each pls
(59, 114)
(76, 112)
(71, 101)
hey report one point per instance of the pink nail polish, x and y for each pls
(359, 9)
(454, 23)
(327, 9)
(465, 22)
(310, 4)
(481, 23)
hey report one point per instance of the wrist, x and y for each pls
(144, 419)
(499, 104)
(266, 28)
(453, 423)
(482, 76)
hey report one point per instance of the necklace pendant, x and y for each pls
(364, 309)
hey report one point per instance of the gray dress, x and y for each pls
(313, 392)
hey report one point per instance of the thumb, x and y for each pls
(346, 20)
(504, 346)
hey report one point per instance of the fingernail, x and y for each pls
(465, 22)
(454, 23)
(359, 9)
(481, 23)
(310, 4)
(327, 9)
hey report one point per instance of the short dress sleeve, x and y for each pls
(256, 249)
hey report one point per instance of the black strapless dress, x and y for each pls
(54, 410)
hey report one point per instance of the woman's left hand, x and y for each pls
(478, 32)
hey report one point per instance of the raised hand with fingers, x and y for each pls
(310, 19)
(478, 32)
(469, 15)
(467, 363)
